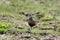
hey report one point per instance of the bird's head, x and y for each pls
(30, 18)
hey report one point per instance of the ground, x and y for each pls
(14, 26)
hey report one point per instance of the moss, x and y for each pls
(4, 27)
(48, 17)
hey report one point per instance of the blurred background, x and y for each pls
(14, 15)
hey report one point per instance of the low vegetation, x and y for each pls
(12, 19)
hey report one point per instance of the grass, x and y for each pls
(49, 9)
(4, 27)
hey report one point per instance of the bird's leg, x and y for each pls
(30, 29)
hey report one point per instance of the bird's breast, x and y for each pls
(32, 23)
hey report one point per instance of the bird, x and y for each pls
(31, 23)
